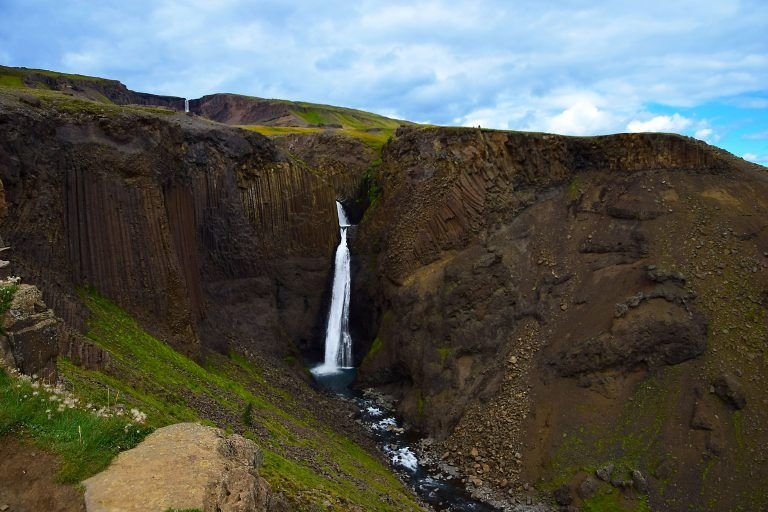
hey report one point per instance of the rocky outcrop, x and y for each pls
(31, 333)
(202, 232)
(538, 301)
(184, 466)
(92, 88)
(32, 337)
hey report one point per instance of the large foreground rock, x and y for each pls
(183, 466)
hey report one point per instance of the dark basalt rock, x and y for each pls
(640, 337)
(729, 390)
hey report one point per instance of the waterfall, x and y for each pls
(186, 105)
(338, 342)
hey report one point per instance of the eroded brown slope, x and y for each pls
(199, 230)
(550, 305)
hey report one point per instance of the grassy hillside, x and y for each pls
(14, 77)
(311, 464)
(373, 139)
(316, 114)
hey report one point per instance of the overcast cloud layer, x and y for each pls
(573, 67)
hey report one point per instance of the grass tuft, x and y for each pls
(85, 441)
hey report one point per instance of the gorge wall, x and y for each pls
(547, 305)
(207, 234)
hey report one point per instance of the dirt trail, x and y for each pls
(28, 481)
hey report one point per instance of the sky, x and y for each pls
(573, 67)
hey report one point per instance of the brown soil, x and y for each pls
(28, 481)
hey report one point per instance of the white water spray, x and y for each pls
(186, 105)
(338, 342)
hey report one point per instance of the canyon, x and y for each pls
(572, 322)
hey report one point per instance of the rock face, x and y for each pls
(544, 302)
(31, 333)
(343, 161)
(202, 232)
(33, 336)
(184, 466)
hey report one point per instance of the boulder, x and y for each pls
(183, 466)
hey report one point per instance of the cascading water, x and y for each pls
(338, 342)
(186, 105)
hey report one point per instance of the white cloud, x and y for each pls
(673, 124)
(758, 159)
(581, 118)
(85, 61)
(565, 66)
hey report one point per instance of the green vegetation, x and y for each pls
(7, 291)
(317, 114)
(10, 80)
(633, 442)
(373, 139)
(273, 131)
(248, 415)
(371, 184)
(169, 387)
(611, 501)
(444, 352)
(574, 189)
(66, 103)
(15, 77)
(375, 347)
(85, 440)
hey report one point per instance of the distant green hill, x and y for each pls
(248, 110)
(91, 88)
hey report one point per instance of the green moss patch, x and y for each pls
(376, 346)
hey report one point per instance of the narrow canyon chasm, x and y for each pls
(558, 321)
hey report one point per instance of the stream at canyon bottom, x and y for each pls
(335, 373)
(442, 492)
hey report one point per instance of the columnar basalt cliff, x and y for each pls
(549, 305)
(341, 145)
(341, 160)
(186, 224)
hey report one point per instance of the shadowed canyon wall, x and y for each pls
(548, 305)
(203, 232)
